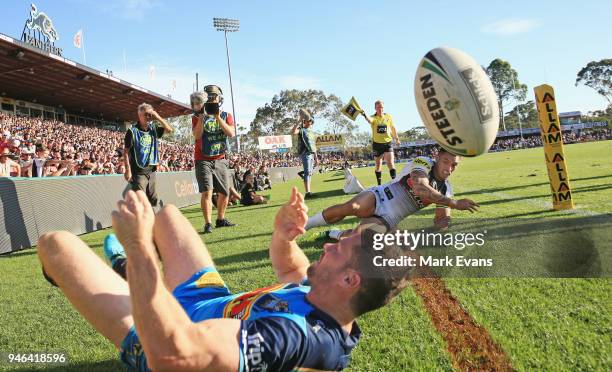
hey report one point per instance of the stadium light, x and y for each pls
(229, 25)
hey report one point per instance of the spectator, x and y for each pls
(8, 167)
(248, 195)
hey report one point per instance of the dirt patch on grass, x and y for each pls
(470, 346)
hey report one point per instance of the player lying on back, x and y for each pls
(423, 181)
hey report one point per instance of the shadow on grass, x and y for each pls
(328, 193)
(519, 187)
(334, 179)
(22, 253)
(102, 366)
(223, 240)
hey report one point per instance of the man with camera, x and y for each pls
(141, 154)
(211, 127)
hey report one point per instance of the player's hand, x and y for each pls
(133, 222)
(290, 221)
(128, 176)
(467, 205)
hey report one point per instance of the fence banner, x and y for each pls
(275, 142)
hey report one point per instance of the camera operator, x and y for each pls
(211, 128)
(141, 155)
(306, 148)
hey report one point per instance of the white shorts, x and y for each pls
(393, 203)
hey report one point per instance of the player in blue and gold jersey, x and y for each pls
(187, 318)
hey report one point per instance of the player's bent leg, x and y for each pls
(182, 251)
(363, 205)
(93, 288)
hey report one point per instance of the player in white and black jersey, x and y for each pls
(423, 181)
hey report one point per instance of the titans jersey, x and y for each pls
(280, 330)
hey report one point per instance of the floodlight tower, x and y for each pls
(229, 25)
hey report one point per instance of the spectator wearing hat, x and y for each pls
(306, 147)
(211, 127)
(141, 152)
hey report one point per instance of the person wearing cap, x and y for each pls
(307, 149)
(211, 127)
(141, 154)
(383, 133)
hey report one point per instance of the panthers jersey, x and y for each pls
(396, 200)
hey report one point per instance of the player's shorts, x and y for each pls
(198, 295)
(380, 148)
(393, 203)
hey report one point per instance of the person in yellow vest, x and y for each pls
(383, 133)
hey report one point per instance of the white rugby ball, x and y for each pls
(456, 101)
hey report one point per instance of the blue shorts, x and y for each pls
(198, 295)
(308, 163)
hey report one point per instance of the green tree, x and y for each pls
(279, 115)
(414, 134)
(182, 130)
(597, 75)
(506, 84)
(524, 113)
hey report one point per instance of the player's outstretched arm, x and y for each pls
(424, 191)
(288, 260)
(171, 341)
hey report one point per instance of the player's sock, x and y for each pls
(335, 234)
(378, 177)
(316, 221)
(392, 173)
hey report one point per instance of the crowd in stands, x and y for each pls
(32, 147)
(43, 148)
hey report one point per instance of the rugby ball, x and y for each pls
(456, 101)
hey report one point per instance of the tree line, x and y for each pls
(279, 115)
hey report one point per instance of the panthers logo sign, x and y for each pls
(40, 32)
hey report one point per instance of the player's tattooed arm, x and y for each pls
(423, 190)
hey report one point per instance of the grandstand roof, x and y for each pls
(34, 75)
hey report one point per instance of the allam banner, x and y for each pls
(552, 139)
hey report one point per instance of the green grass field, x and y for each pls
(542, 324)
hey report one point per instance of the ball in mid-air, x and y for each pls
(456, 101)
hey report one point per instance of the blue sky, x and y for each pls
(361, 48)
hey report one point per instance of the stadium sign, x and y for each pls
(553, 147)
(274, 142)
(330, 142)
(40, 33)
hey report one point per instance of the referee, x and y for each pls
(383, 132)
(141, 153)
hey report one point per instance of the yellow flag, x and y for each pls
(352, 109)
